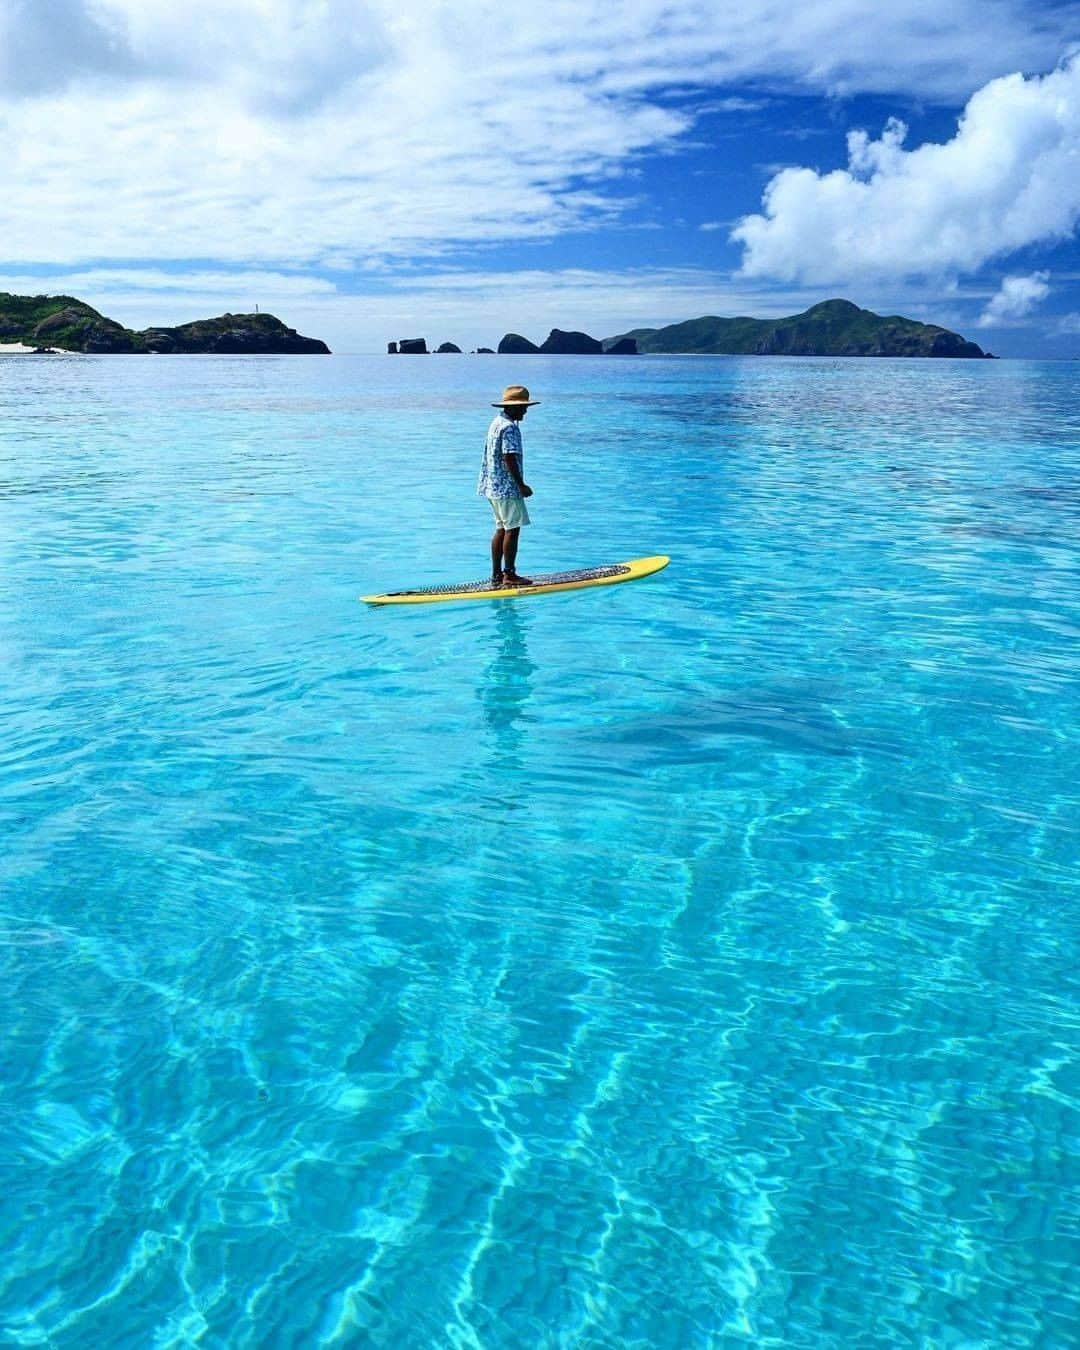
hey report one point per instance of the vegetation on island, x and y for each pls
(62, 322)
(832, 328)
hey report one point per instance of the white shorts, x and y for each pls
(510, 512)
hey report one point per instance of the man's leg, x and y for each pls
(510, 548)
(498, 543)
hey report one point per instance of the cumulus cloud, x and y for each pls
(1006, 180)
(1015, 297)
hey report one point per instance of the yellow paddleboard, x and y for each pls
(547, 584)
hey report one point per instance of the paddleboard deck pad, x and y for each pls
(547, 584)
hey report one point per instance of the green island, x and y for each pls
(63, 323)
(832, 328)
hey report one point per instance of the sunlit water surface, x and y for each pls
(685, 963)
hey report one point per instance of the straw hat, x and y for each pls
(514, 396)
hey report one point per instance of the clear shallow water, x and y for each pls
(687, 963)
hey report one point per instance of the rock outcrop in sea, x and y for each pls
(559, 343)
(71, 325)
(412, 347)
(513, 344)
(448, 347)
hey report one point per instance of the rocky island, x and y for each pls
(557, 343)
(832, 328)
(66, 324)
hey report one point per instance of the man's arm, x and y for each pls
(512, 464)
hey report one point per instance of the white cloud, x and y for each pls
(403, 160)
(838, 46)
(46, 47)
(733, 104)
(282, 132)
(118, 281)
(1007, 179)
(1069, 324)
(1015, 298)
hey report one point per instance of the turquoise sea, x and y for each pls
(679, 964)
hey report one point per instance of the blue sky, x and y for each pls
(369, 170)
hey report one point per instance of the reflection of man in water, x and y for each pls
(506, 687)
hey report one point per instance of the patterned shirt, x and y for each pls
(503, 438)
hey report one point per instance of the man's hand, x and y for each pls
(526, 490)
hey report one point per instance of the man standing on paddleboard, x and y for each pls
(502, 483)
